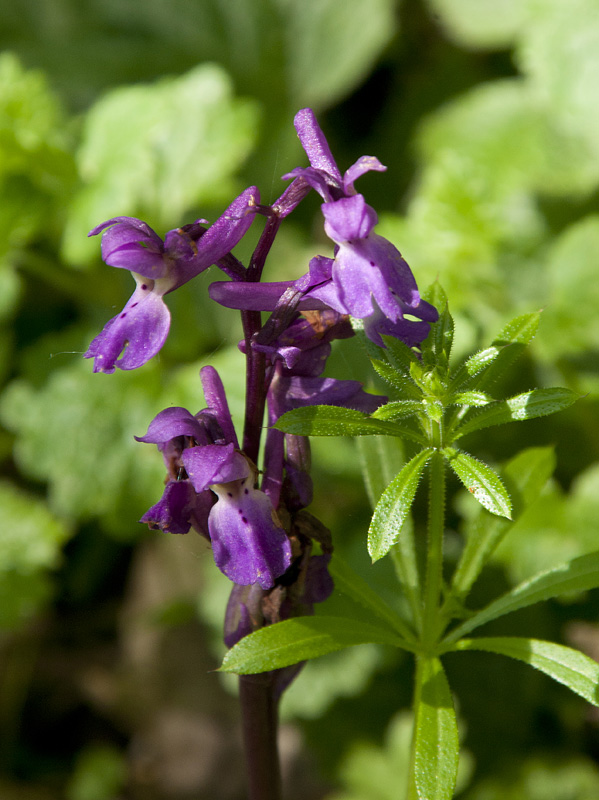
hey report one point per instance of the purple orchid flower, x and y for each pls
(211, 488)
(158, 268)
(368, 278)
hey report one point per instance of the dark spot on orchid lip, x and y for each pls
(144, 287)
(246, 491)
(123, 315)
(244, 520)
(133, 305)
(229, 494)
(372, 264)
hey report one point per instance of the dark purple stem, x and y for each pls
(259, 724)
(255, 389)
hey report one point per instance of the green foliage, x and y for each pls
(30, 547)
(495, 161)
(436, 743)
(161, 150)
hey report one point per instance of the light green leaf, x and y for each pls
(577, 575)
(481, 481)
(396, 409)
(157, 151)
(31, 540)
(436, 744)
(398, 378)
(526, 475)
(295, 640)
(394, 506)
(529, 405)
(472, 398)
(336, 421)
(482, 23)
(350, 583)
(565, 665)
(327, 51)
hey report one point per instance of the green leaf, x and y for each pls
(396, 378)
(577, 575)
(394, 506)
(473, 365)
(299, 639)
(529, 405)
(525, 475)
(329, 52)
(436, 744)
(482, 24)
(396, 409)
(336, 421)
(565, 665)
(472, 398)
(31, 540)
(481, 481)
(158, 150)
(350, 583)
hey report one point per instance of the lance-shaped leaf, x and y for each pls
(394, 506)
(396, 409)
(529, 405)
(565, 665)
(525, 475)
(436, 744)
(400, 380)
(472, 399)
(481, 481)
(336, 421)
(300, 639)
(353, 585)
(483, 368)
(578, 575)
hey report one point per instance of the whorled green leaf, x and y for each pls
(472, 398)
(440, 339)
(571, 667)
(578, 575)
(525, 475)
(529, 405)
(394, 506)
(300, 639)
(350, 583)
(473, 365)
(436, 743)
(396, 409)
(482, 482)
(400, 380)
(336, 421)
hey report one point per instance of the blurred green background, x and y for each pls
(486, 113)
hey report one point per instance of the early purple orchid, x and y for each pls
(158, 268)
(205, 465)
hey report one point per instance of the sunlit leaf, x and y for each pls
(299, 639)
(571, 667)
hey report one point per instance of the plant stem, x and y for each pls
(412, 793)
(434, 558)
(259, 727)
